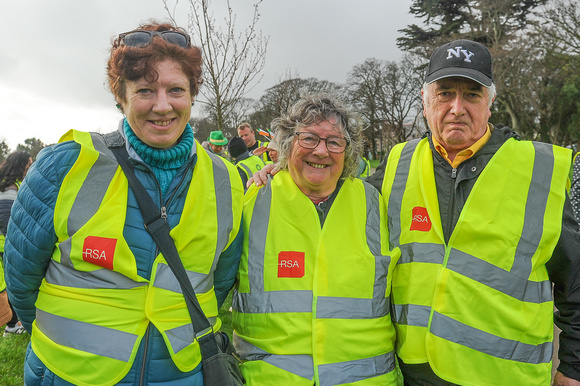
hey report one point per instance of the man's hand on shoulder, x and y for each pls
(259, 151)
(562, 380)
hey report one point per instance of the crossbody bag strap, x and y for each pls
(158, 228)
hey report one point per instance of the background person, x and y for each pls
(311, 305)
(485, 227)
(12, 172)
(246, 163)
(87, 280)
(215, 143)
(272, 150)
(255, 147)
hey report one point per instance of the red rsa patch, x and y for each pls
(290, 264)
(99, 251)
(421, 220)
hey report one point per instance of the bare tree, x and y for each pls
(278, 98)
(232, 61)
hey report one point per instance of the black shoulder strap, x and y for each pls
(156, 224)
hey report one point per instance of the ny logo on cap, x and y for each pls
(457, 53)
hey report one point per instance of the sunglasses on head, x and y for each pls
(142, 38)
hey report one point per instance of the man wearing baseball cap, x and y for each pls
(485, 229)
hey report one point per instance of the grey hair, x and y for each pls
(492, 93)
(311, 110)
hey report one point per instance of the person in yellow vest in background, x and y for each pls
(246, 163)
(311, 305)
(215, 143)
(485, 227)
(12, 172)
(83, 273)
(255, 147)
(364, 167)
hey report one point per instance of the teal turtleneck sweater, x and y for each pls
(163, 162)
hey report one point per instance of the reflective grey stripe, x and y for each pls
(165, 279)
(504, 281)
(273, 302)
(357, 370)
(329, 374)
(535, 209)
(300, 365)
(225, 216)
(182, 336)
(63, 275)
(351, 308)
(257, 234)
(397, 191)
(422, 253)
(490, 344)
(98, 340)
(246, 168)
(373, 227)
(91, 193)
(411, 315)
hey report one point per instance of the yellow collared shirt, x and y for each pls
(463, 154)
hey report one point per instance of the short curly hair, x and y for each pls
(311, 110)
(13, 169)
(132, 63)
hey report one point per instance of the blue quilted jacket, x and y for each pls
(31, 239)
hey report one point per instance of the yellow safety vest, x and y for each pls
(93, 308)
(250, 165)
(264, 156)
(478, 309)
(312, 303)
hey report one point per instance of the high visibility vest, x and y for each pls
(312, 304)
(478, 309)
(93, 308)
(367, 171)
(264, 156)
(250, 165)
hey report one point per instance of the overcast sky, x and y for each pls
(53, 53)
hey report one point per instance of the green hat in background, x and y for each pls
(217, 138)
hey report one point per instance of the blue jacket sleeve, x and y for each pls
(30, 238)
(227, 268)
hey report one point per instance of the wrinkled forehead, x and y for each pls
(457, 82)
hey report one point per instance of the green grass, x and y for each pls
(12, 350)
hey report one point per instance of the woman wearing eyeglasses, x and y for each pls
(311, 305)
(84, 274)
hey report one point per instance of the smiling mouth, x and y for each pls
(317, 166)
(162, 123)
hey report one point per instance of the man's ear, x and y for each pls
(423, 102)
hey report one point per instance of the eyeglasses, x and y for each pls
(142, 38)
(311, 141)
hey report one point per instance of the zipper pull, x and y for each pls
(454, 173)
(164, 213)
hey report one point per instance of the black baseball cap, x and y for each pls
(464, 58)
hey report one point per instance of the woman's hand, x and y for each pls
(261, 176)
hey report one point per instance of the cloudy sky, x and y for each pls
(53, 53)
